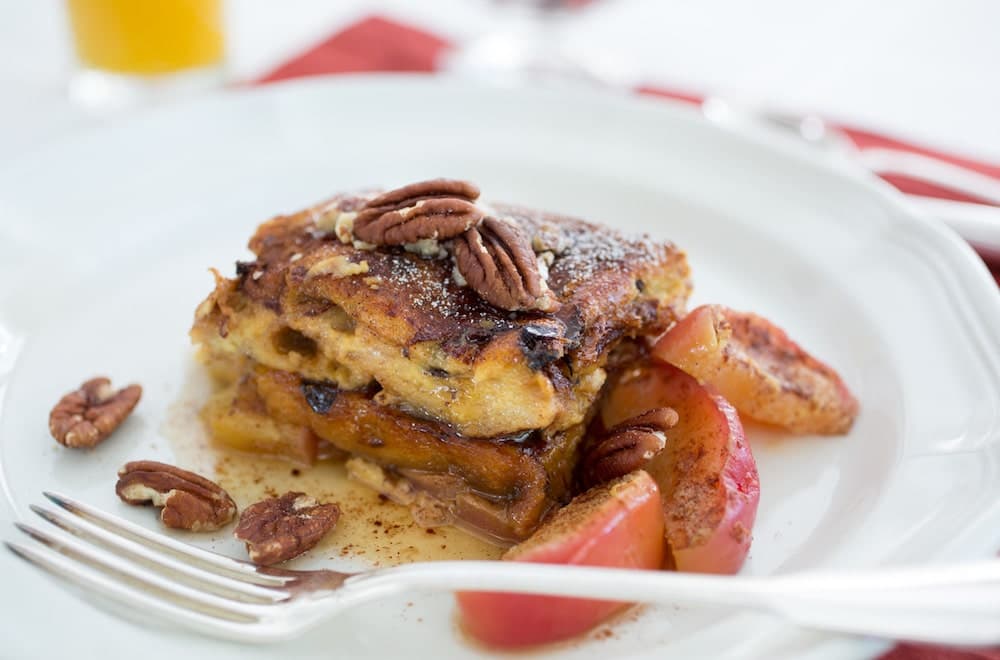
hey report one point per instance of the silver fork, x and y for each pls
(223, 597)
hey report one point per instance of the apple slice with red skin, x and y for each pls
(618, 524)
(757, 367)
(706, 472)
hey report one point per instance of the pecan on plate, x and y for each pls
(86, 416)
(626, 447)
(189, 501)
(280, 528)
(430, 210)
(496, 259)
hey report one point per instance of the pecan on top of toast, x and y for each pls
(497, 260)
(503, 254)
(493, 256)
(429, 210)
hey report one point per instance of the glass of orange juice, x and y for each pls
(137, 50)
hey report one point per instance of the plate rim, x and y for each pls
(948, 243)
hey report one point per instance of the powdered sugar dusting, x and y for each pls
(583, 250)
(432, 289)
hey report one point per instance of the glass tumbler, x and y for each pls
(135, 51)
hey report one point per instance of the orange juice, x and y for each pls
(147, 37)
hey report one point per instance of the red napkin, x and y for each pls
(378, 44)
(918, 652)
(373, 44)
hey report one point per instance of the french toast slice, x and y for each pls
(479, 407)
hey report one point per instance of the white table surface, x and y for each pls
(928, 70)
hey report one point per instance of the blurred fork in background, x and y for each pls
(978, 221)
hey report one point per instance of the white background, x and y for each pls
(923, 69)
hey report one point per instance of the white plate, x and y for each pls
(105, 240)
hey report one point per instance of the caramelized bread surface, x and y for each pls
(314, 305)
(501, 487)
(465, 412)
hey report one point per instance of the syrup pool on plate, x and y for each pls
(372, 531)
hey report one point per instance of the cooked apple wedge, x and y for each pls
(760, 370)
(706, 472)
(618, 524)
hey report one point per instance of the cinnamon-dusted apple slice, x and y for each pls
(706, 472)
(760, 370)
(618, 524)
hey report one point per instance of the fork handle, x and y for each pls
(955, 604)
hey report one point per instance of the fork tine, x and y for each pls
(185, 550)
(149, 604)
(83, 528)
(113, 565)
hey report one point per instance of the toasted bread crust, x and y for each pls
(384, 354)
(433, 333)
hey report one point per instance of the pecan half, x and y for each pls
(430, 210)
(280, 528)
(189, 501)
(497, 260)
(626, 447)
(88, 415)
